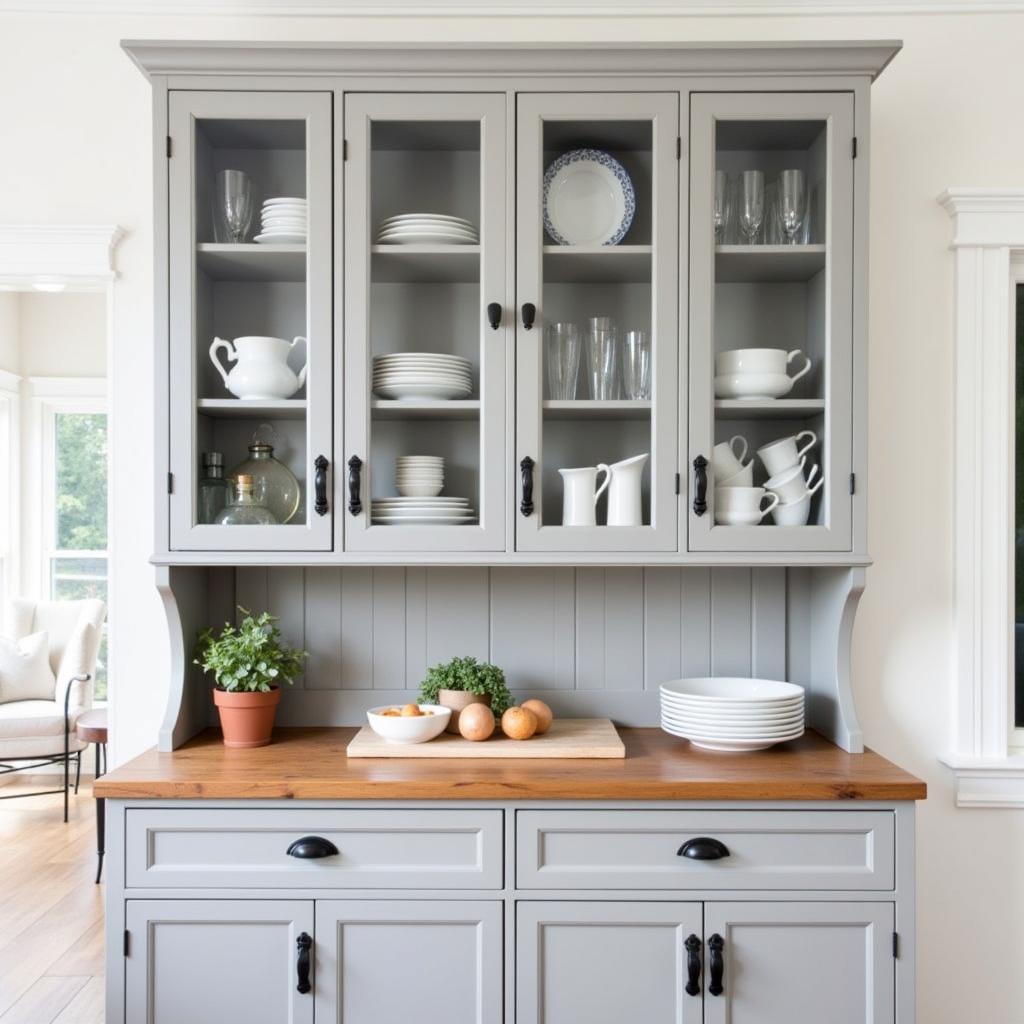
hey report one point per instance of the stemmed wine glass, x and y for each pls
(752, 204)
(722, 205)
(792, 203)
(234, 206)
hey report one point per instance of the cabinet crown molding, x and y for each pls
(390, 60)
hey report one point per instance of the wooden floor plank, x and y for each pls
(44, 1001)
(87, 1007)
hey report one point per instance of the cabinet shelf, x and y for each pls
(768, 263)
(768, 409)
(241, 409)
(588, 409)
(597, 263)
(425, 409)
(251, 262)
(425, 263)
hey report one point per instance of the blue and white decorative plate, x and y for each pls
(588, 199)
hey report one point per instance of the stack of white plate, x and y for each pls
(419, 476)
(732, 714)
(421, 512)
(426, 229)
(283, 221)
(422, 375)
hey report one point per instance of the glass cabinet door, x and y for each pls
(596, 334)
(771, 320)
(427, 341)
(250, 321)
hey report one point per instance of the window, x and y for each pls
(1018, 532)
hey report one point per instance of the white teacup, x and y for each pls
(796, 513)
(725, 461)
(742, 506)
(744, 478)
(785, 453)
(760, 360)
(790, 484)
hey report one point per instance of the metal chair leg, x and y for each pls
(78, 771)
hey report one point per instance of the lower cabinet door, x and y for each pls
(800, 963)
(606, 963)
(402, 961)
(213, 961)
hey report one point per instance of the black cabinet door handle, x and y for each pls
(312, 848)
(692, 945)
(700, 485)
(529, 315)
(526, 469)
(303, 942)
(716, 964)
(355, 464)
(494, 315)
(703, 848)
(320, 485)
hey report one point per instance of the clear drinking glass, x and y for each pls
(602, 353)
(234, 206)
(563, 348)
(792, 203)
(722, 206)
(751, 204)
(636, 365)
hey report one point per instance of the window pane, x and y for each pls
(74, 579)
(81, 484)
(1019, 520)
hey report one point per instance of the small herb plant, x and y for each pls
(470, 676)
(250, 658)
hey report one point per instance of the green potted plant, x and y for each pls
(463, 681)
(248, 663)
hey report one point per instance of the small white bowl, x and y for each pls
(419, 490)
(417, 729)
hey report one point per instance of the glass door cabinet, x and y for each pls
(250, 322)
(771, 272)
(596, 334)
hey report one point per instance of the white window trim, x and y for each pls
(10, 500)
(988, 243)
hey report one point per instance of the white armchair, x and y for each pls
(42, 732)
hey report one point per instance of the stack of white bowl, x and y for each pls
(284, 221)
(732, 713)
(419, 476)
(422, 375)
(784, 461)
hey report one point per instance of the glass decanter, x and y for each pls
(274, 484)
(245, 509)
(213, 488)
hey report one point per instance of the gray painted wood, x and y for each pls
(218, 848)
(392, 962)
(604, 963)
(803, 963)
(210, 961)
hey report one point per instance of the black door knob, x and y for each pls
(494, 315)
(529, 315)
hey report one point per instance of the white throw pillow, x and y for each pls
(25, 672)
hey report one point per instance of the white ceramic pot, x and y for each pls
(624, 505)
(261, 369)
(580, 493)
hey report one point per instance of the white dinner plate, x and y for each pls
(423, 521)
(444, 357)
(284, 238)
(426, 391)
(736, 734)
(421, 227)
(734, 706)
(732, 715)
(284, 201)
(426, 238)
(729, 746)
(429, 222)
(438, 362)
(418, 513)
(400, 500)
(422, 378)
(738, 688)
(730, 723)
(439, 218)
(588, 199)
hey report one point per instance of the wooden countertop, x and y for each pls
(310, 764)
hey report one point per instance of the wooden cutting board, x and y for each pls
(567, 737)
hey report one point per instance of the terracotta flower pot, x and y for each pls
(246, 719)
(457, 700)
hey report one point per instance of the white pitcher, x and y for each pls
(261, 371)
(624, 508)
(580, 493)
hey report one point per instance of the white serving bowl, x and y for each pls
(752, 385)
(712, 689)
(420, 490)
(409, 730)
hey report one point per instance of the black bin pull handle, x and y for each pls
(320, 485)
(304, 943)
(494, 315)
(529, 315)
(700, 485)
(703, 848)
(526, 469)
(716, 964)
(692, 946)
(312, 848)
(355, 464)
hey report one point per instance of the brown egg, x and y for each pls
(544, 714)
(411, 711)
(476, 722)
(519, 723)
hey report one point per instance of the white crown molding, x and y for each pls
(508, 8)
(74, 256)
(10, 383)
(986, 216)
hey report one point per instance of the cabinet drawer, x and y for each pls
(766, 850)
(380, 849)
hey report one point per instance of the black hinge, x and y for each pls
(853, 483)
(895, 945)
(344, 149)
(170, 483)
(677, 483)
(168, 147)
(679, 147)
(853, 148)
(127, 941)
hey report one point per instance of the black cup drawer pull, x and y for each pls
(303, 943)
(703, 848)
(312, 848)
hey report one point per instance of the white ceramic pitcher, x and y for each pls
(580, 493)
(261, 367)
(624, 508)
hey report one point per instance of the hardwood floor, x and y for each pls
(51, 912)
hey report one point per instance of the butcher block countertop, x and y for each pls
(310, 764)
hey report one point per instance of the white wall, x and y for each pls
(10, 354)
(62, 334)
(946, 113)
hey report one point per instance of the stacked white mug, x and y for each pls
(737, 501)
(784, 461)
